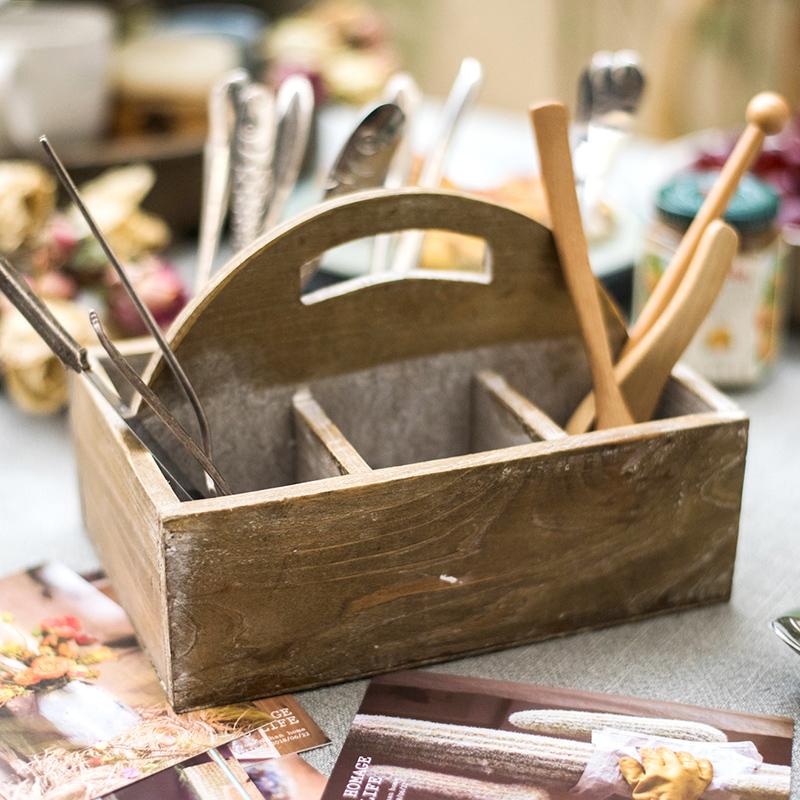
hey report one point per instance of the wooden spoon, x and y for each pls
(645, 369)
(550, 126)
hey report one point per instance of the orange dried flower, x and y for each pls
(49, 668)
(66, 627)
(80, 672)
(27, 677)
(68, 650)
(97, 655)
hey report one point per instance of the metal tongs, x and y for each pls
(74, 357)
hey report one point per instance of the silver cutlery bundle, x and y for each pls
(252, 159)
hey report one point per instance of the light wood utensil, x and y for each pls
(644, 370)
(767, 114)
(551, 129)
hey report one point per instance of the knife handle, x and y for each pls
(41, 319)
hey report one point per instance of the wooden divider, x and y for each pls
(322, 451)
(502, 417)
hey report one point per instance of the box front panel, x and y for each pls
(427, 562)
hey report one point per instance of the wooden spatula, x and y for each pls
(644, 370)
(550, 125)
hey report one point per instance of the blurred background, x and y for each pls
(122, 90)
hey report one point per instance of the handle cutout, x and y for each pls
(443, 251)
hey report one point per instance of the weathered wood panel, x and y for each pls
(320, 449)
(123, 495)
(354, 575)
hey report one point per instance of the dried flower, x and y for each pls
(27, 677)
(66, 627)
(49, 668)
(97, 655)
(161, 290)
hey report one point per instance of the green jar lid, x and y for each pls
(752, 209)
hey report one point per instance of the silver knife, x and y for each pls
(294, 107)
(462, 95)
(365, 159)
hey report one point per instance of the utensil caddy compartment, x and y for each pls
(405, 493)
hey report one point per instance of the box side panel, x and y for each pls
(507, 547)
(122, 519)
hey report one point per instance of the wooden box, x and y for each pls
(405, 493)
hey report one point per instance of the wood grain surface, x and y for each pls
(362, 574)
(123, 495)
(251, 336)
(440, 508)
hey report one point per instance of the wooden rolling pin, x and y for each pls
(550, 125)
(643, 372)
(767, 114)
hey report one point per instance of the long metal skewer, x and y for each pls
(155, 404)
(144, 312)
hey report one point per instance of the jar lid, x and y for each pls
(753, 207)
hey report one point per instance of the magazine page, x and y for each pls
(426, 735)
(81, 710)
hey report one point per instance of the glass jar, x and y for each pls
(740, 338)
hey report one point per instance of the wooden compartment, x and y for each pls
(405, 493)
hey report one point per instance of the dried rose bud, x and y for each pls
(160, 288)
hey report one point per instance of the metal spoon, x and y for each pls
(462, 95)
(294, 107)
(364, 159)
(402, 90)
(612, 87)
(787, 629)
(222, 102)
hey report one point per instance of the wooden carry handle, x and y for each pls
(767, 114)
(252, 321)
(359, 215)
(644, 370)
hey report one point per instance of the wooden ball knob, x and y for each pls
(769, 111)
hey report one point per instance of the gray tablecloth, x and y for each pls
(724, 656)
